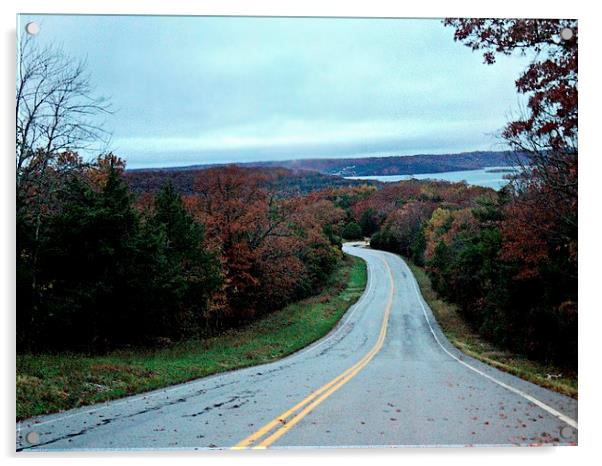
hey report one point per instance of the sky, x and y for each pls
(195, 90)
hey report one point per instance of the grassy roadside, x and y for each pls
(49, 383)
(466, 340)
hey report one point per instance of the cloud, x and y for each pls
(278, 133)
(221, 88)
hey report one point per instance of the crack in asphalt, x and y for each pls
(244, 397)
(104, 422)
(244, 400)
(345, 330)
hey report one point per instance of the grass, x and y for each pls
(471, 343)
(48, 383)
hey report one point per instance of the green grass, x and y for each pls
(48, 383)
(471, 343)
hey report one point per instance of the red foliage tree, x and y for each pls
(541, 217)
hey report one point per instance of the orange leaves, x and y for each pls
(541, 217)
(98, 173)
(436, 228)
(264, 243)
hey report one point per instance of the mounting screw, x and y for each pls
(567, 432)
(566, 33)
(33, 438)
(32, 28)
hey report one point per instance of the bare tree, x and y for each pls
(56, 109)
(57, 115)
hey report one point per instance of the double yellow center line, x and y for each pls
(277, 427)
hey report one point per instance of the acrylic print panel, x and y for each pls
(253, 232)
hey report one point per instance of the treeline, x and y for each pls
(516, 288)
(285, 182)
(99, 268)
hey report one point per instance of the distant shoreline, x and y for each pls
(390, 165)
(490, 177)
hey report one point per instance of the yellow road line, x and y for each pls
(306, 405)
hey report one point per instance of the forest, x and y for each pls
(103, 268)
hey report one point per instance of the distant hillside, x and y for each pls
(399, 165)
(372, 166)
(285, 182)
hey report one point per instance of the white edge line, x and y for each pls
(571, 422)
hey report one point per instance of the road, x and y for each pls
(385, 376)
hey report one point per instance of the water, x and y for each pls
(483, 177)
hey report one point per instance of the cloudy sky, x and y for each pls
(190, 90)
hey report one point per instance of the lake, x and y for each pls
(490, 177)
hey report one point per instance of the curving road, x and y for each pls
(385, 376)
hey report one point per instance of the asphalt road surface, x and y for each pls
(385, 376)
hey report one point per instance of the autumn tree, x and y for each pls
(402, 230)
(546, 132)
(238, 216)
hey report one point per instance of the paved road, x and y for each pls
(386, 376)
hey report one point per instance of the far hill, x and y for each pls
(399, 165)
(374, 166)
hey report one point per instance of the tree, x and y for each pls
(189, 274)
(95, 270)
(109, 275)
(56, 109)
(271, 250)
(368, 222)
(539, 225)
(546, 133)
(56, 115)
(352, 231)
(550, 81)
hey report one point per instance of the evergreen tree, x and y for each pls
(190, 274)
(95, 267)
